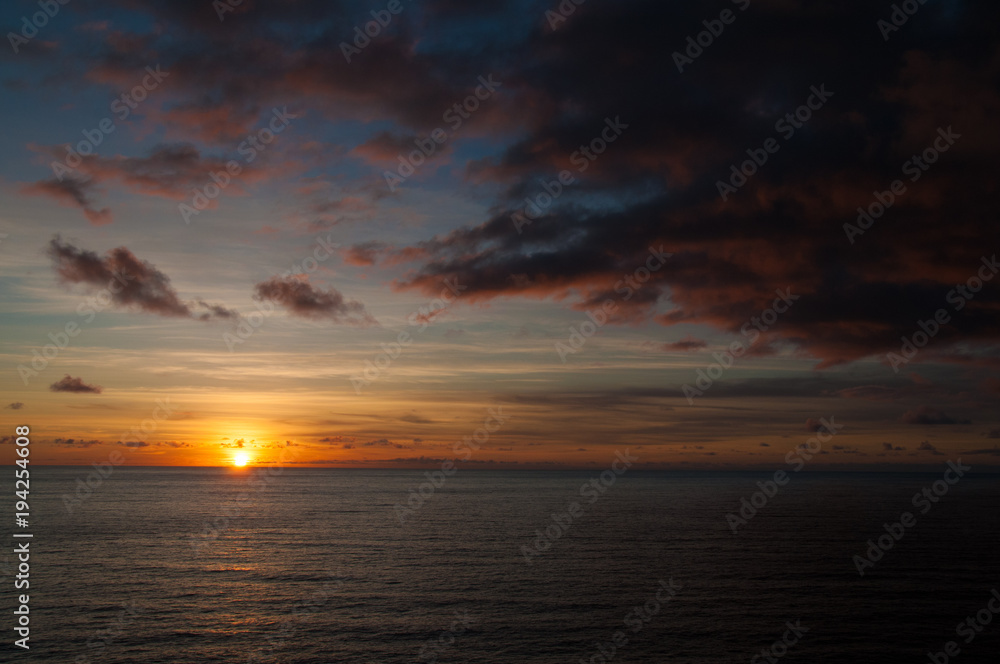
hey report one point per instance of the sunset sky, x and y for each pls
(235, 239)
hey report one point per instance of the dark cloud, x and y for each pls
(72, 442)
(925, 446)
(17, 405)
(686, 344)
(131, 283)
(69, 384)
(889, 448)
(169, 171)
(929, 415)
(72, 192)
(382, 442)
(302, 299)
(133, 443)
(337, 439)
(993, 451)
(814, 425)
(992, 433)
(656, 184)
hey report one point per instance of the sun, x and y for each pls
(240, 460)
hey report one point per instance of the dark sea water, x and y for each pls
(316, 567)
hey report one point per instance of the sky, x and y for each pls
(521, 234)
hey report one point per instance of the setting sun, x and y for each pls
(240, 460)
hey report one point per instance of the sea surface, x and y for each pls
(209, 565)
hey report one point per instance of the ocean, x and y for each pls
(319, 565)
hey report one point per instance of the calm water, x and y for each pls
(317, 568)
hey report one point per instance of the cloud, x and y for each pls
(69, 384)
(364, 254)
(384, 148)
(169, 171)
(889, 448)
(814, 425)
(869, 392)
(993, 451)
(302, 299)
(416, 419)
(925, 446)
(72, 192)
(337, 439)
(656, 184)
(929, 415)
(133, 443)
(688, 343)
(17, 405)
(72, 442)
(992, 433)
(380, 442)
(130, 282)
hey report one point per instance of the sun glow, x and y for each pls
(240, 460)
